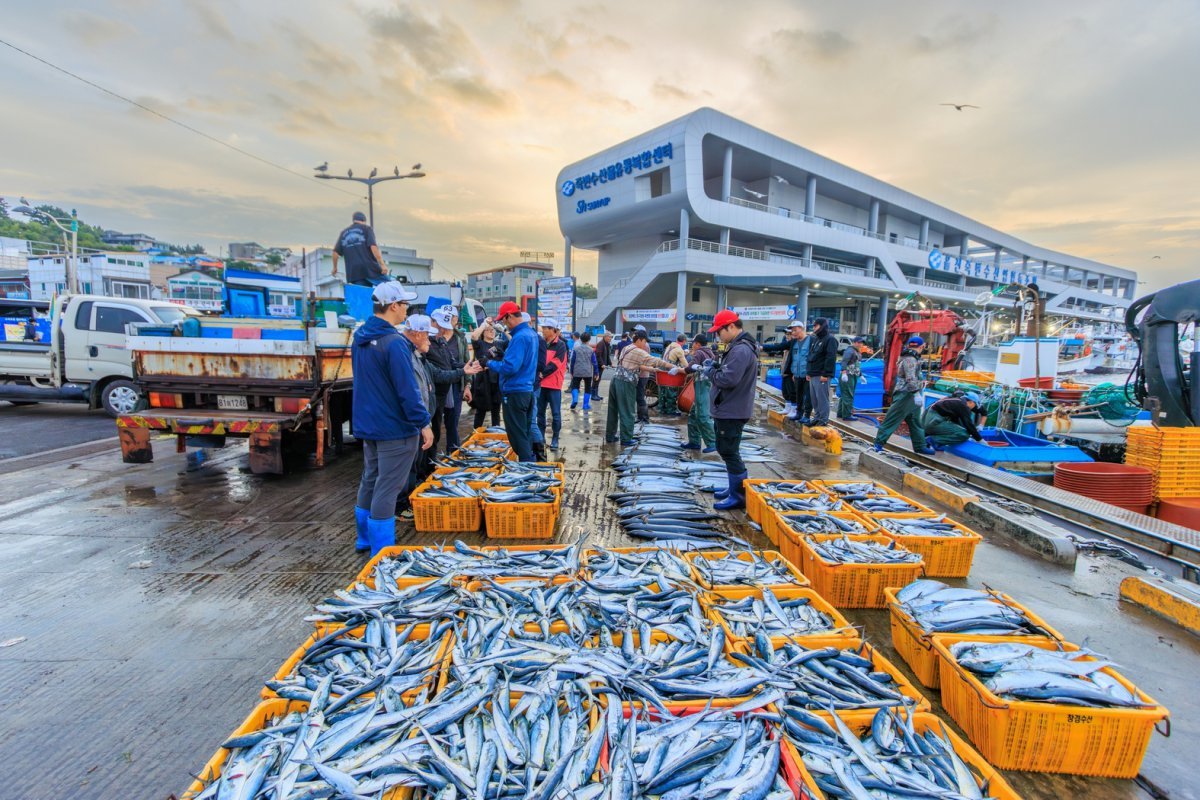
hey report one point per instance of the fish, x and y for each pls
(742, 568)
(931, 526)
(820, 522)
(772, 616)
(848, 551)
(938, 608)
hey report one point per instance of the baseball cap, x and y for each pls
(723, 318)
(548, 322)
(390, 292)
(359, 216)
(419, 323)
(859, 339)
(973, 397)
(443, 316)
(525, 317)
(795, 324)
(639, 327)
(506, 308)
(915, 340)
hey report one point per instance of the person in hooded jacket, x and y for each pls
(734, 378)
(822, 362)
(390, 415)
(485, 386)
(553, 374)
(447, 353)
(904, 407)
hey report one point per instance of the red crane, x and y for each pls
(923, 323)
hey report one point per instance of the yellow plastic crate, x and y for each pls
(915, 644)
(778, 522)
(844, 636)
(754, 496)
(769, 555)
(522, 520)
(1044, 737)
(945, 556)
(446, 514)
(854, 585)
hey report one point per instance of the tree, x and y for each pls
(585, 291)
(239, 264)
(274, 259)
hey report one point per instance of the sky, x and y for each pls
(1085, 140)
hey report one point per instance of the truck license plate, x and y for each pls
(232, 402)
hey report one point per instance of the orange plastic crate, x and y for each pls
(446, 514)
(522, 520)
(915, 645)
(854, 585)
(777, 518)
(769, 555)
(803, 784)
(824, 486)
(1044, 737)
(945, 556)
(844, 636)
(754, 497)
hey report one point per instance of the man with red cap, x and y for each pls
(518, 373)
(734, 376)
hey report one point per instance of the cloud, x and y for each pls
(823, 46)
(670, 91)
(212, 20)
(93, 29)
(956, 32)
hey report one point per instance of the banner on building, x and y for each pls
(764, 312)
(648, 315)
(556, 298)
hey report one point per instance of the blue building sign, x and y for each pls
(635, 163)
(583, 206)
(976, 269)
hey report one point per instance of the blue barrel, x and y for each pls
(775, 378)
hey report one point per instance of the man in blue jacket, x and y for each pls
(390, 415)
(518, 373)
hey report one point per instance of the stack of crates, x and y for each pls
(1172, 454)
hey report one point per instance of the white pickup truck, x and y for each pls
(86, 359)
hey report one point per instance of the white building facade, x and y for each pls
(707, 212)
(115, 274)
(514, 282)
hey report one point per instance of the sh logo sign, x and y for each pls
(568, 188)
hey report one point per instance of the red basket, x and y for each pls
(667, 379)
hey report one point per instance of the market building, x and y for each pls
(707, 212)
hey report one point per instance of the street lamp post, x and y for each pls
(72, 267)
(370, 181)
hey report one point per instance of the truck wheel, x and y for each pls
(120, 397)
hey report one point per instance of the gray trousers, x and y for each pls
(386, 465)
(818, 393)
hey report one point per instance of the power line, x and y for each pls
(174, 121)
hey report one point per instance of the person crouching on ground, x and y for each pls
(904, 407)
(951, 421)
(734, 377)
(633, 359)
(390, 415)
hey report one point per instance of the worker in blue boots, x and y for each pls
(390, 415)
(733, 376)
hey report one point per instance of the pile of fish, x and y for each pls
(890, 758)
(938, 608)
(664, 563)
(818, 503)
(858, 490)
(784, 487)
(821, 523)
(381, 659)
(463, 561)
(744, 568)
(530, 491)
(773, 616)
(711, 754)
(883, 505)
(848, 551)
(928, 526)
(1016, 671)
(448, 488)
(822, 680)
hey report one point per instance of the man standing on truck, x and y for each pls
(390, 416)
(518, 374)
(364, 263)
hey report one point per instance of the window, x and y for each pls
(169, 314)
(111, 319)
(660, 182)
(83, 316)
(695, 294)
(134, 291)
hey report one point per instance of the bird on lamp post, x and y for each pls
(373, 178)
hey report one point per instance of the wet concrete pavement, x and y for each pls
(154, 600)
(35, 429)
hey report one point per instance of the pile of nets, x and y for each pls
(1116, 403)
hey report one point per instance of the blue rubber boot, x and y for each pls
(575, 399)
(736, 498)
(361, 515)
(587, 402)
(381, 533)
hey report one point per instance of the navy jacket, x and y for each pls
(387, 395)
(518, 369)
(735, 378)
(822, 355)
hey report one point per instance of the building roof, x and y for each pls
(524, 265)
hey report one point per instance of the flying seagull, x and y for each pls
(782, 180)
(759, 195)
(960, 106)
(417, 165)
(1154, 257)
(323, 167)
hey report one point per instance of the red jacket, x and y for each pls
(556, 356)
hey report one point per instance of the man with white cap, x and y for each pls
(552, 374)
(390, 415)
(794, 370)
(448, 355)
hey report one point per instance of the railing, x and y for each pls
(845, 227)
(761, 255)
